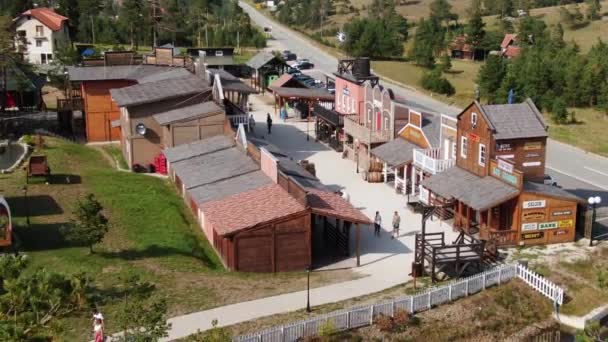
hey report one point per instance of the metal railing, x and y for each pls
(429, 160)
(353, 127)
(364, 315)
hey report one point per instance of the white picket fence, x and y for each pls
(364, 315)
(541, 284)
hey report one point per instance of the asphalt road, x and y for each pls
(576, 170)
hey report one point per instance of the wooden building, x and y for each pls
(265, 68)
(254, 205)
(497, 188)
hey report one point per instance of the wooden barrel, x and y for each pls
(375, 177)
(375, 167)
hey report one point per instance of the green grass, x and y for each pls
(152, 234)
(116, 153)
(589, 133)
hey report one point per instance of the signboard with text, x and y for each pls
(533, 216)
(529, 226)
(532, 236)
(505, 166)
(534, 204)
(534, 145)
(547, 225)
(566, 223)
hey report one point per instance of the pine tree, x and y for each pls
(474, 30)
(559, 112)
(442, 11)
(132, 20)
(490, 77)
(89, 225)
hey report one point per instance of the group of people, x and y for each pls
(378, 224)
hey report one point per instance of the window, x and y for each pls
(219, 53)
(49, 57)
(39, 43)
(21, 33)
(482, 155)
(454, 150)
(474, 119)
(463, 147)
(39, 31)
(43, 58)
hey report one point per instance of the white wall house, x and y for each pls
(39, 32)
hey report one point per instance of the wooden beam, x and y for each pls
(358, 244)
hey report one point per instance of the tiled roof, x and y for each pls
(198, 148)
(250, 208)
(333, 205)
(550, 190)
(199, 110)
(140, 73)
(460, 44)
(282, 80)
(46, 16)
(515, 121)
(509, 37)
(396, 152)
(228, 187)
(479, 193)
(160, 90)
(213, 167)
(512, 51)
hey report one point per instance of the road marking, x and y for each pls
(601, 219)
(577, 178)
(596, 171)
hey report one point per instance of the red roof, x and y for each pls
(460, 44)
(508, 39)
(333, 205)
(47, 16)
(281, 81)
(251, 208)
(512, 51)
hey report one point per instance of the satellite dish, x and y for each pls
(141, 129)
(341, 37)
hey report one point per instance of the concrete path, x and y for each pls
(385, 262)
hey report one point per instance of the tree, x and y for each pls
(603, 99)
(89, 225)
(428, 42)
(594, 8)
(434, 81)
(474, 30)
(559, 112)
(142, 317)
(446, 63)
(7, 54)
(132, 20)
(490, 77)
(442, 11)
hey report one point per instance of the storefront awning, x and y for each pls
(396, 152)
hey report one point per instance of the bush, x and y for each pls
(396, 324)
(327, 330)
(28, 140)
(559, 113)
(385, 323)
(435, 82)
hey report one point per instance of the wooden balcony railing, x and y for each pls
(353, 127)
(503, 237)
(70, 104)
(429, 160)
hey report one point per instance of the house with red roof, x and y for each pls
(509, 48)
(39, 32)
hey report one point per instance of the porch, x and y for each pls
(430, 160)
(357, 129)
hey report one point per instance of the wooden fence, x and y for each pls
(364, 315)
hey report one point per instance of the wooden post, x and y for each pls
(358, 244)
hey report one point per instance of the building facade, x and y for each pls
(39, 32)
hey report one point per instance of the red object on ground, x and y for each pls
(160, 164)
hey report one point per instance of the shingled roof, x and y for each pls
(479, 193)
(515, 121)
(396, 152)
(142, 73)
(46, 16)
(199, 110)
(160, 90)
(551, 191)
(261, 59)
(198, 148)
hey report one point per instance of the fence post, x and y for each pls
(429, 300)
(282, 333)
(499, 275)
(412, 304)
(371, 315)
(466, 288)
(483, 277)
(450, 292)
(393, 308)
(347, 319)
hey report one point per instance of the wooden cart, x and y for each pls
(38, 167)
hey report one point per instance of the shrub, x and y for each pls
(435, 82)
(401, 320)
(327, 330)
(559, 113)
(28, 140)
(385, 323)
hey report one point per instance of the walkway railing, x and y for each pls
(364, 315)
(364, 134)
(429, 160)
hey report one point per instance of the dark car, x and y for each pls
(305, 65)
(293, 71)
(290, 56)
(302, 77)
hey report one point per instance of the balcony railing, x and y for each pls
(70, 104)
(429, 160)
(363, 134)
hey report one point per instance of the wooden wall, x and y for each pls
(528, 155)
(416, 136)
(476, 135)
(552, 222)
(100, 110)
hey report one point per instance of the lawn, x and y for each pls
(116, 153)
(152, 235)
(589, 133)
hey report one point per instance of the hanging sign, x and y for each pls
(534, 204)
(547, 225)
(566, 223)
(529, 226)
(532, 236)
(505, 166)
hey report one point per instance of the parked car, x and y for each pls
(550, 180)
(293, 71)
(310, 82)
(290, 56)
(302, 77)
(305, 65)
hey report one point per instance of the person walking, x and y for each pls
(251, 123)
(269, 122)
(377, 223)
(396, 222)
(98, 326)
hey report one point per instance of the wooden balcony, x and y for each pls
(358, 131)
(72, 104)
(429, 161)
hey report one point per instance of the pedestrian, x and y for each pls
(396, 222)
(269, 122)
(98, 326)
(251, 122)
(377, 223)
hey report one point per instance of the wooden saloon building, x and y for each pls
(496, 189)
(257, 207)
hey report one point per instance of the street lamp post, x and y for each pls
(593, 202)
(308, 269)
(27, 213)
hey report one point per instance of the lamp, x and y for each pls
(593, 202)
(141, 129)
(308, 270)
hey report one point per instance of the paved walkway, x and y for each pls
(385, 262)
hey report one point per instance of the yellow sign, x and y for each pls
(566, 223)
(536, 145)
